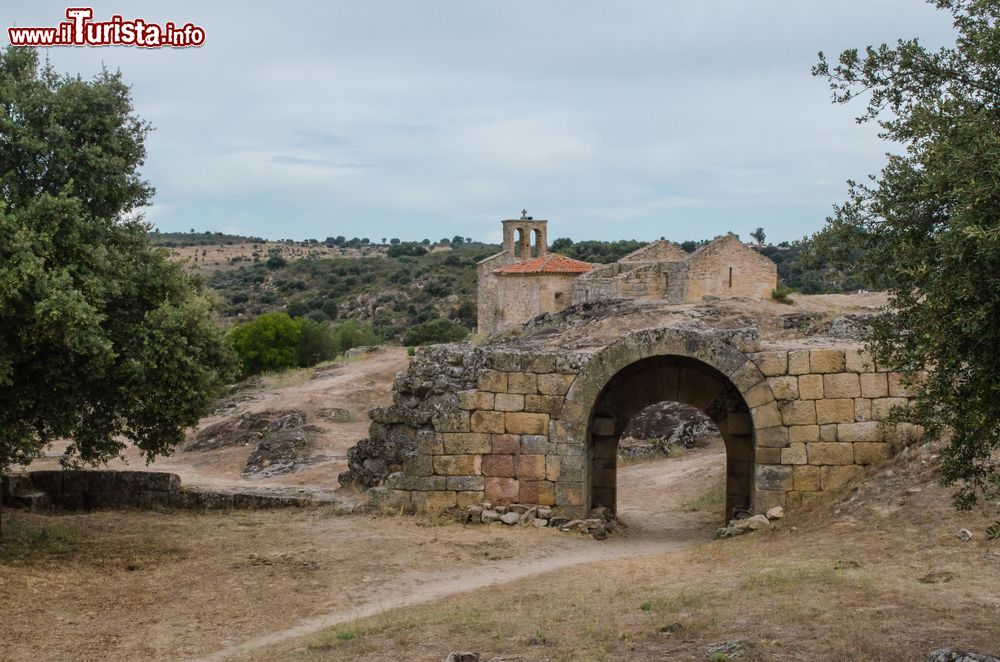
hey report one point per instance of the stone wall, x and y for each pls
(473, 424)
(521, 297)
(727, 268)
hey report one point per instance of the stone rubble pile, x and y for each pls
(600, 523)
(745, 523)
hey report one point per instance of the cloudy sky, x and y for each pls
(413, 119)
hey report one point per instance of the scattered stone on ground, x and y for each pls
(462, 657)
(361, 351)
(336, 414)
(939, 577)
(742, 524)
(240, 395)
(851, 326)
(729, 649)
(964, 535)
(282, 452)
(245, 429)
(665, 426)
(956, 655)
(599, 525)
(326, 371)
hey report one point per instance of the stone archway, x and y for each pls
(655, 365)
(670, 378)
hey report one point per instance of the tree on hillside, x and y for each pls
(931, 224)
(759, 236)
(103, 340)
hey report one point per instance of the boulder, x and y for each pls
(510, 518)
(775, 513)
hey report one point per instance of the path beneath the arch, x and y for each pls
(665, 506)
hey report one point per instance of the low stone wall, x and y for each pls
(99, 489)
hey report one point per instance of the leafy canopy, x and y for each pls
(102, 339)
(931, 224)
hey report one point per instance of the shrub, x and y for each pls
(351, 334)
(317, 343)
(435, 331)
(269, 342)
(411, 351)
(781, 292)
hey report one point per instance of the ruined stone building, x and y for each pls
(524, 280)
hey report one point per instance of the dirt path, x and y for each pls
(657, 518)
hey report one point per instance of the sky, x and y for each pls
(427, 119)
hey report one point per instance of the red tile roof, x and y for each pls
(550, 263)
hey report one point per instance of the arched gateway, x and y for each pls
(536, 419)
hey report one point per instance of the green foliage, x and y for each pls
(411, 351)
(602, 252)
(269, 342)
(759, 235)
(409, 248)
(103, 340)
(182, 239)
(435, 331)
(351, 334)
(930, 222)
(993, 531)
(781, 294)
(317, 343)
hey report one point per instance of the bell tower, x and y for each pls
(525, 238)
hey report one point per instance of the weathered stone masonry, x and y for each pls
(505, 425)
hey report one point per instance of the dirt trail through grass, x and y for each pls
(666, 506)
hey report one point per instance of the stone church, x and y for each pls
(524, 280)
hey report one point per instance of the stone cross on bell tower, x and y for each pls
(524, 237)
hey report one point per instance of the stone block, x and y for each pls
(828, 432)
(555, 383)
(874, 384)
(536, 444)
(522, 382)
(552, 466)
(803, 434)
(773, 437)
(433, 501)
(858, 360)
(505, 444)
(766, 416)
(765, 455)
(526, 423)
(882, 407)
(572, 449)
(758, 395)
(798, 362)
(826, 360)
(811, 387)
(466, 499)
(466, 443)
(798, 412)
(603, 426)
(862, 409)
(454, 421)
(457, 465)
(808, 479)
(402, 481)
(867, 431)
(784, 388)
(490, 422)
(493, 381)
(774, 477)
(508, 402)
(765, 500)
(872, 453)
(835, 411)
(544, 404)
(841, 385)
(835, 477)
(531, 467)
(572, 468)
(830, 453)
(898, 386)
(466, 483)
(429, 442)
(771, 364)
(569, 494)
(498, 466)
(501, 490)
(419, 465)
(473, 399)
(540, 492)
(794, 454)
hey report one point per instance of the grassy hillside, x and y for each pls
(391, 293)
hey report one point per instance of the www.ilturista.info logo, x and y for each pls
(80, 30)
